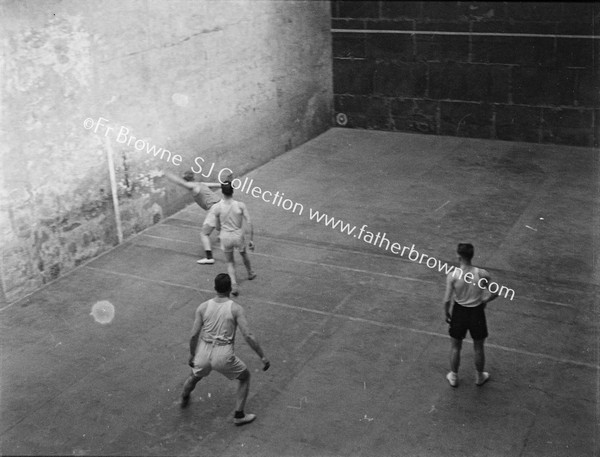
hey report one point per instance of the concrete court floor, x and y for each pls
(356, 335)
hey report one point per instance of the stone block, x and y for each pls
(479, 83)
(353, 76)
(440, 10)
(400, 79)
(534, 11)
(386, 24)
(401, 10)
(413, 115)
(472, 120)
(351, 104)
(378, 107)
(348, 45)
(357, 121)
(348, 24)
(482, 11)
(596, 129)
(568, 126)
(365, 112)
(536, 86)
(390, 47)
(512, 28)
(379, 123)
(569, 82)
(499, 84)
(358, 9)
(468, 82)
(518, 123)
(442, 48)
(579, 12)
(576, 52)
(493, 49)
(534, 51)
(587, 89)
(585, 26)
(442, 26)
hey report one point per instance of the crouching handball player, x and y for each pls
(212, 346)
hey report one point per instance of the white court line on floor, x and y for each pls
(303, 244)
(325, 321)
(352, 251)
(356, 270)
(351, 318)
(566, 305)
(442, 206)
(537, 300)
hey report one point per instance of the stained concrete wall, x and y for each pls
(233, 82)
(517, 71)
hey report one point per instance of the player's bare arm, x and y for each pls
(195, 334)
(179, 181)
(448, 296)
(242, 323)
(190, 185)
(249, 225)
(487, 279)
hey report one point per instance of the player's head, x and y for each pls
(465, 251)
(223, 283)
(188, 176)
(227, 188)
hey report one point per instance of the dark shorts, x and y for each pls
(468, 318)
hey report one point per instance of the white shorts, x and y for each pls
(211, 221)
(233, 240)
(219, 358)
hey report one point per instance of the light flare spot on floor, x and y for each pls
(103, 312)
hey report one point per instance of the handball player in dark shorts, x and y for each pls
(467, 291)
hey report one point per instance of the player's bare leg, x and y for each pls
(454, 362)
(481, 377)
(189, 385)
(204, 236)
(231, 271)
(455, 354)
(246, 259)
(242, 394)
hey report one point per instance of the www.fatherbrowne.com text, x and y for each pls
(124, 137)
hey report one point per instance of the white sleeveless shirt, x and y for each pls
(467, 294)
(218, 325)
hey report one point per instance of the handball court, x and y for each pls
(355, 334)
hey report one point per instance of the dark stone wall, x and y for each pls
(516, 71)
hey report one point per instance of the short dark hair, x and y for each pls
(227, 188)
(465, 250)
(188, 176)
(223, 283)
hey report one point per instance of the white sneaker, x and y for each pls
(482, 378)
(244, 420)
(206, 261)
(452, 379)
